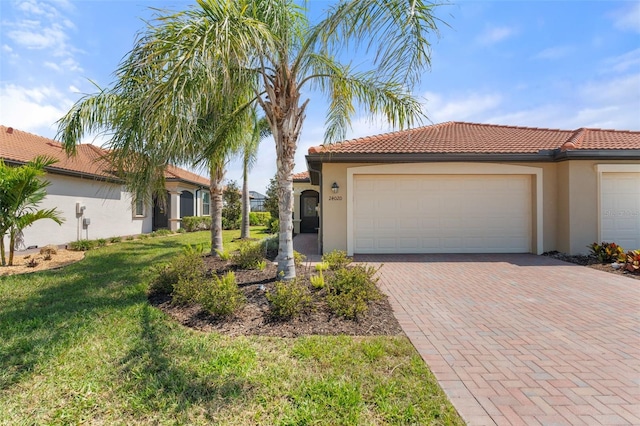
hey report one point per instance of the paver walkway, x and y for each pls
(522, 339)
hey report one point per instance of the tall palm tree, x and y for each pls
(21, 192)
(259, 131)
(203, 55)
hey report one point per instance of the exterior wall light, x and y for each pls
(335, 187)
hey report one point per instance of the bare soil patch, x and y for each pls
(35, 262)
(255, 319)
(590, 262)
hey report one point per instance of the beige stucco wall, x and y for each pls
(569, 203)
(107, 205)
(298, 188)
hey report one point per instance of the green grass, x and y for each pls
(82, 345)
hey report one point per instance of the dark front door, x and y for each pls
(309, 220)
(161, 213)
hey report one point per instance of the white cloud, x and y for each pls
(556, 52)
(494, 35)
(628, 17)
(32, 109)
(624, 62)
(470, 107)
(34, 35)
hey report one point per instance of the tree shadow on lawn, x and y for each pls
(70, 301)
(154, 381)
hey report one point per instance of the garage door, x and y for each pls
(442, 214)
(620, 206)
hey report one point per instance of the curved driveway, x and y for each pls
(521, 339)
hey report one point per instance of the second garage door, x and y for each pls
(442, 214)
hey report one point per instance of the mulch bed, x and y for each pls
(590, 262)
(254, 317)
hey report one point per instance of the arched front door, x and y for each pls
(309, 220)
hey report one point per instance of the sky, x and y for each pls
(550, 64)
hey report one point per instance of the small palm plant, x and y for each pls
(21, 192)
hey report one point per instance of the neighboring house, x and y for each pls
(475, 188)
(256, 201)
(93, 200)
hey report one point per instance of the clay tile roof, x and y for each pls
(458, 137)
(19, 146)
(301, 177)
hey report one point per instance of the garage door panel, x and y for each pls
(620, 209)
(438, 213)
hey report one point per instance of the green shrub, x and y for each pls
(221, 296)
(289, 299)
(351, 289)
(130, 238)
(274, 226)
(101, 242)
(270, 247)
(230, 224)
(195, 223)
(259, 218)
(144, 236)
(249, 255)
(337, 259)
(317, 281)
(298, 258)
(115, 239)
(81, 245)
(224, 254)
(189, 272)
(163, 232)
(181, 231)
(606, 252)
(196, 249)
(322, 266)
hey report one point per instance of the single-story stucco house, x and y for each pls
(462, 187)
(93, 200)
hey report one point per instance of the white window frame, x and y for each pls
(136, 204)
(206, 203)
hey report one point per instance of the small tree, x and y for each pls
(232, 200)
(21, 191)
(271, 203)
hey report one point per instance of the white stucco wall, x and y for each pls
(108, 206)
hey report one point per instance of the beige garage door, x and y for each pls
(620, 204)
(442, 214)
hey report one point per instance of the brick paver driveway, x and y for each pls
(522, 339)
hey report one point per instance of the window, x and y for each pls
(138, 208)
(206, 203)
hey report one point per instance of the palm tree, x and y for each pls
(252, 141)
(210, 52)
(21, 191)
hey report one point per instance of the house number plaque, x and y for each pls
(335, 197)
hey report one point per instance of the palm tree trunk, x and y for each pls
(12, 246)
(246, 206)
(216, 189)
(3, 260)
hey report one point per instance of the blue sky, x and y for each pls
(553, 64)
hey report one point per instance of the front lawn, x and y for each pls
(83, 345)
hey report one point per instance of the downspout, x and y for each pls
(321, 230)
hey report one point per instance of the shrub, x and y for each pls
(186, 268)
(130, 238)
(81, 245)
(606, 252)
(221, 296)
(32, 263)
(249, 255)
(101, 242)
(163, 232)
(632, 261)
(259, 218)
(144, 236)
(274, 226)
(224, 254)
(351, 289)
(337, 259)
(189, 273)
(230, 224)
(322, 266)
(196, 249)
(195, 223)
(270, 247)
(49, 250)
(317, 281)
(181, 231)
(289, 299)
(115, 239)
(298, 258)
(232, 206)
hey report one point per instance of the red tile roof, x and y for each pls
(19, 146)
(301, 177)
(458, 137)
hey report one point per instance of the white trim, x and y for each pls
(448, 169)
(609, 168)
